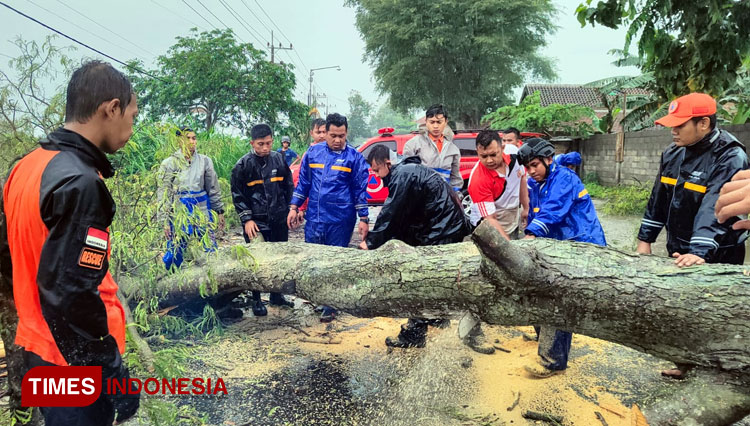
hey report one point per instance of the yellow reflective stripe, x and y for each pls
(255, 182)
(317, 165)
(694, 187)
(536, 209)
(668, 180)
(277, 179)
(343, 169)
(582, 193)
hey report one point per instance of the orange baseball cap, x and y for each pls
(686, 107)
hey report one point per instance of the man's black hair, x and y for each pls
(94, 83)
(514, 131)
(337, 120)
(317, 123)
(485, 138)
(711, 118)
(434, 110)
(260, 131)
(380, 153)
(183, 130)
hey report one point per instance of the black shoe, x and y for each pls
(400, 342)
(410, 337)
(259, 309)
(328, 314)
(277, 299)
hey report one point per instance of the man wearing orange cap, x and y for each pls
(693, 169)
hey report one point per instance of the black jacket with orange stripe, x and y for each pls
(262, 188)
(685, 194)
(58, 212)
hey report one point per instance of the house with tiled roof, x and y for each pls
(578, 94)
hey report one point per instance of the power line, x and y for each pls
(172, 12)
(81, 28)
(301, 76)
(256, 16)
(82, 43)
(236, 16)
(212, 14)
(304, 66)
(106, 29)
(197, 13)
(271, 19)
(307, 69)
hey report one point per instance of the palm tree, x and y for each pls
(633, 97)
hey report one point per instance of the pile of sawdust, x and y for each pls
(444, 383)
(576, 395)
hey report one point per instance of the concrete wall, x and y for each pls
(642, 154)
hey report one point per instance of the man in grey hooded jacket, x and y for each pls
(188, 180)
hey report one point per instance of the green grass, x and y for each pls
(621, 200)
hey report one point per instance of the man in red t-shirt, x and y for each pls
(497, 186)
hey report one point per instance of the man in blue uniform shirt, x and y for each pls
(333, 175)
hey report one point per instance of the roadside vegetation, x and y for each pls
(621, 200)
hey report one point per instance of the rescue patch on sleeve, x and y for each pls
(97, 238)
(92, 259)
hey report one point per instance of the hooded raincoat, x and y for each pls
(561, 208)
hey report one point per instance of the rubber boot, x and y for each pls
(259, 309)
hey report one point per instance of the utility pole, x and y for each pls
(274, 48)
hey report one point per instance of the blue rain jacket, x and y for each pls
(335, 182)
(570, 159)
(561, 208)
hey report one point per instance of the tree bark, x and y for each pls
(695, 316)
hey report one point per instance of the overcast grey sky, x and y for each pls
(146, 28)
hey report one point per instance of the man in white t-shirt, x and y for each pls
(497, 186)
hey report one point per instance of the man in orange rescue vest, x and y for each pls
(58, 213)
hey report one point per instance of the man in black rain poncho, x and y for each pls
(421, 210)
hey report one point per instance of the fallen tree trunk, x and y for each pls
(695, 316)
